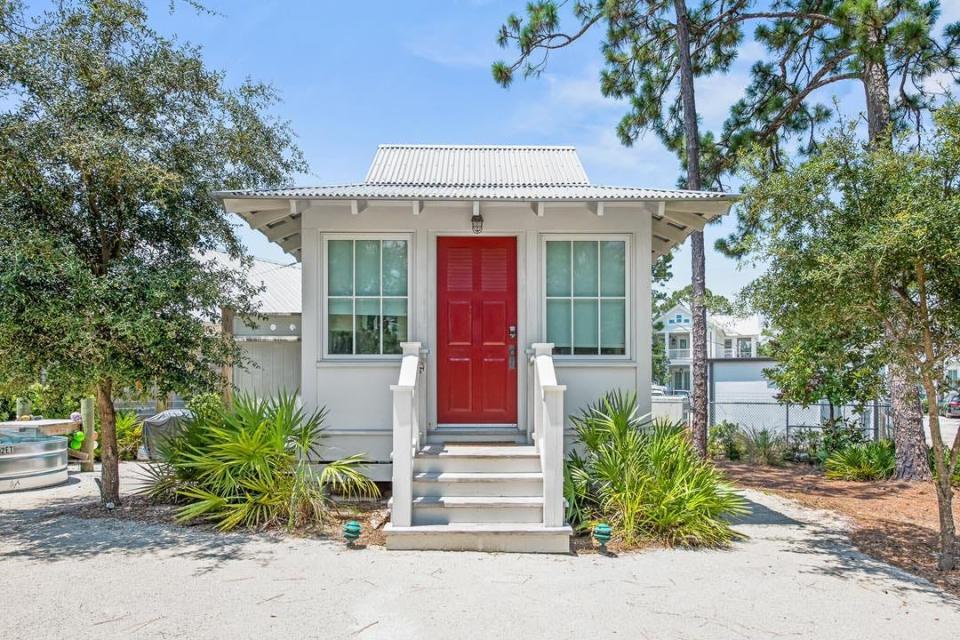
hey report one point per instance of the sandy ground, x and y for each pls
(796, 576)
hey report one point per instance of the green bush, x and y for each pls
(724, 441)
(805, 446)
(763, 446)
(646, 480)
(955, 479)
(864, 461)
(838, 435)
(249, 466)
(129, 435)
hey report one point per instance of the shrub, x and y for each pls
(864, 461)
(723, 441)
(763, 446)
(249, 466)
(129, 435)
(837, 435)
(646, 480)
(955, 480)
(805, 446)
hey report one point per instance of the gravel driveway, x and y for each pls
(63, 576)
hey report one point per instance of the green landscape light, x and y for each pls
(351, 531)
(602, 534)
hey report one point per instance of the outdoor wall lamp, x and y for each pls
(476, 221)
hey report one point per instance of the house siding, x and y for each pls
(355, 391)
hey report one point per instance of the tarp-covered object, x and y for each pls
(160, 427)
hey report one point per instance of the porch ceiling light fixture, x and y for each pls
(476, 220)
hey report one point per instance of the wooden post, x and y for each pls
(23, 407)
(226, 322)
(162, 402)
(89, 431)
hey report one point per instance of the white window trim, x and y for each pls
(628, 299)
(325, 239)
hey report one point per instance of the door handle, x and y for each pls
(512, 357)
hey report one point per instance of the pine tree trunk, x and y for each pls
(698, 392)
(109, 459)
(908, 437)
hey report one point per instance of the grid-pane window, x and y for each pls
(366, 296)
(586, 296)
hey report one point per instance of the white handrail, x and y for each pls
(406, 434)
(548, 419)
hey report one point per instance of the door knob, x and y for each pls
(512, 331)
(512, 357)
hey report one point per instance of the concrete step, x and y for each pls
(509, 538)
(477, 509)
(467, 458)
(477, 484)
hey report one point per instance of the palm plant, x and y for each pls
(645, 479)
(251, 466)
(874, 460)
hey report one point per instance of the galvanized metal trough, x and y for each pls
(31, 461)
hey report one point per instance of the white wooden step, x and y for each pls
(504, 537)
(477, 509)
(478, 433)
(492, 484)
(465, 458)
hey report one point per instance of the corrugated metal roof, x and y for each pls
(739, 325)
(475, 165)
(280, 283)
(574, 193)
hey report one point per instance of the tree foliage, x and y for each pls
(641, 56)
(817, 44)
(862, 243)
(112, 138)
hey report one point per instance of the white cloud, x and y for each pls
(568, 101)
(447, 46)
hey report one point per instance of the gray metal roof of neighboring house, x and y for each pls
(280, 293)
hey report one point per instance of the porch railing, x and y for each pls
(548, 418)
(406, 434)
(680, 354)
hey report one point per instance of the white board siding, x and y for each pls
(356, 391)
(275, 367)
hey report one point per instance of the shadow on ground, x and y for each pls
(833, 553)
(55, 532)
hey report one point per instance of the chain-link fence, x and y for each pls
(789, 419)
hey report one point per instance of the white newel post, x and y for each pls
(406, 434)
(549, 418)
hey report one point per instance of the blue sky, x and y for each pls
(357, 74)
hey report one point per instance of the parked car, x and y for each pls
(950, 405)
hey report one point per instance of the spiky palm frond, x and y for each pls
(645, 479)
(254, 466)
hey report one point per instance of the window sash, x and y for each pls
(565, 302)
(372, 306)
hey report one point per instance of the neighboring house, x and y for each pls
(270, 344)
(475, 295)
(729, 338)
(953, 372)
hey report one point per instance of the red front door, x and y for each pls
(477, 330)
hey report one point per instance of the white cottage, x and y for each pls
(458, 305)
